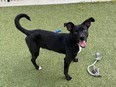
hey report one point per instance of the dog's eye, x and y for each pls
(77, 30)
(85, 30)
(75, 34)
(81, 29)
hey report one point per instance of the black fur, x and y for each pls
(66, 43)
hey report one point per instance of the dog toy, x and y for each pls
(95, 71)
(57, 30)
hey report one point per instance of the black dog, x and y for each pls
(66, 43)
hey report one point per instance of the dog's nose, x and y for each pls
(81, 38)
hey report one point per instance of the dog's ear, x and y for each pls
(69, 26)
(88, 21)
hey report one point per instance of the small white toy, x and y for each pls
(95, 71)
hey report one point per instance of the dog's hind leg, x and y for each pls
(34, 49)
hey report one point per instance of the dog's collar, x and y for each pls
(80, 48)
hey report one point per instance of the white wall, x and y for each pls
(41, 2)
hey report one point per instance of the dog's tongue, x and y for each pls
(83, 44)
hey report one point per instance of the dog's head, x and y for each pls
(79, 33)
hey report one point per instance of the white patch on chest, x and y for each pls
(80, 48)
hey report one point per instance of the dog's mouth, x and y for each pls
(83, 43)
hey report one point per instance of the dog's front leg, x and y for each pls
(67, 61)
(75, 59)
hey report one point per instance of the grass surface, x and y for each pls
(16, 69)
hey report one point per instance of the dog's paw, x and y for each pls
(39, 68)
(75, 59)
(68, 78)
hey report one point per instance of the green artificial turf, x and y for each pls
(16, 69)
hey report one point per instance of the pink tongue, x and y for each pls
(83, 43)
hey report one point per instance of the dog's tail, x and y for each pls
(18, 26)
